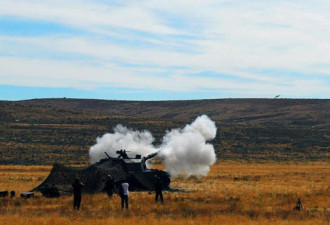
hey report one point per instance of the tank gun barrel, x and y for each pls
(144, 159)
(151, 156)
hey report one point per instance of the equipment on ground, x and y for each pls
(28, 194)
(3, 193)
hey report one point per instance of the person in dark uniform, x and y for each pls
(122, 154)
(109, 185)
(77, 186)
(158, 189)
(299, 205)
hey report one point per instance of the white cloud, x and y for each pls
(35, 72)
(170, 40)
(86, 14)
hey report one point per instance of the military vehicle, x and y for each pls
(121, 168)
(138, 175)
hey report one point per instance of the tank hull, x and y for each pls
(145, 180)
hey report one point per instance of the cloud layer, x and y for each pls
(240, 48)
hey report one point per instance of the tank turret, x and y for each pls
(138, 173)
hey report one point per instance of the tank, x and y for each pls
(138, 175)
(94, 176)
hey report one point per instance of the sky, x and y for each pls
(164, 50)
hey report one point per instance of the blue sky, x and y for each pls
(164, 50)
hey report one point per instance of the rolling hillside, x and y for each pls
(44, 131)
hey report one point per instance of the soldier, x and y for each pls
(124, 194)
(77, 186)
(109, 185)
(299, 205)
(158, 189)
(122, 154)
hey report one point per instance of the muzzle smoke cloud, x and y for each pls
(135, 142)
(184, 151)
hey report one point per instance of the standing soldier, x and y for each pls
(158, 189)
(109, 185)
(299, 205)
(77, 186)
(124, 194)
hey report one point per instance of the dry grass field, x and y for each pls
(232, 193)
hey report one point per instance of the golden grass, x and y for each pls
(232, 193)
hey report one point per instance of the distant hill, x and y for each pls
(288, 111)
(44, 131)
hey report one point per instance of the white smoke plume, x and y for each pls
(184, 151)
(135, 142)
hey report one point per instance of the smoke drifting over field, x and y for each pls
(184, 151)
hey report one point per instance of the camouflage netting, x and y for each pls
(94, 176)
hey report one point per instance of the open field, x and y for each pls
(232, 193)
